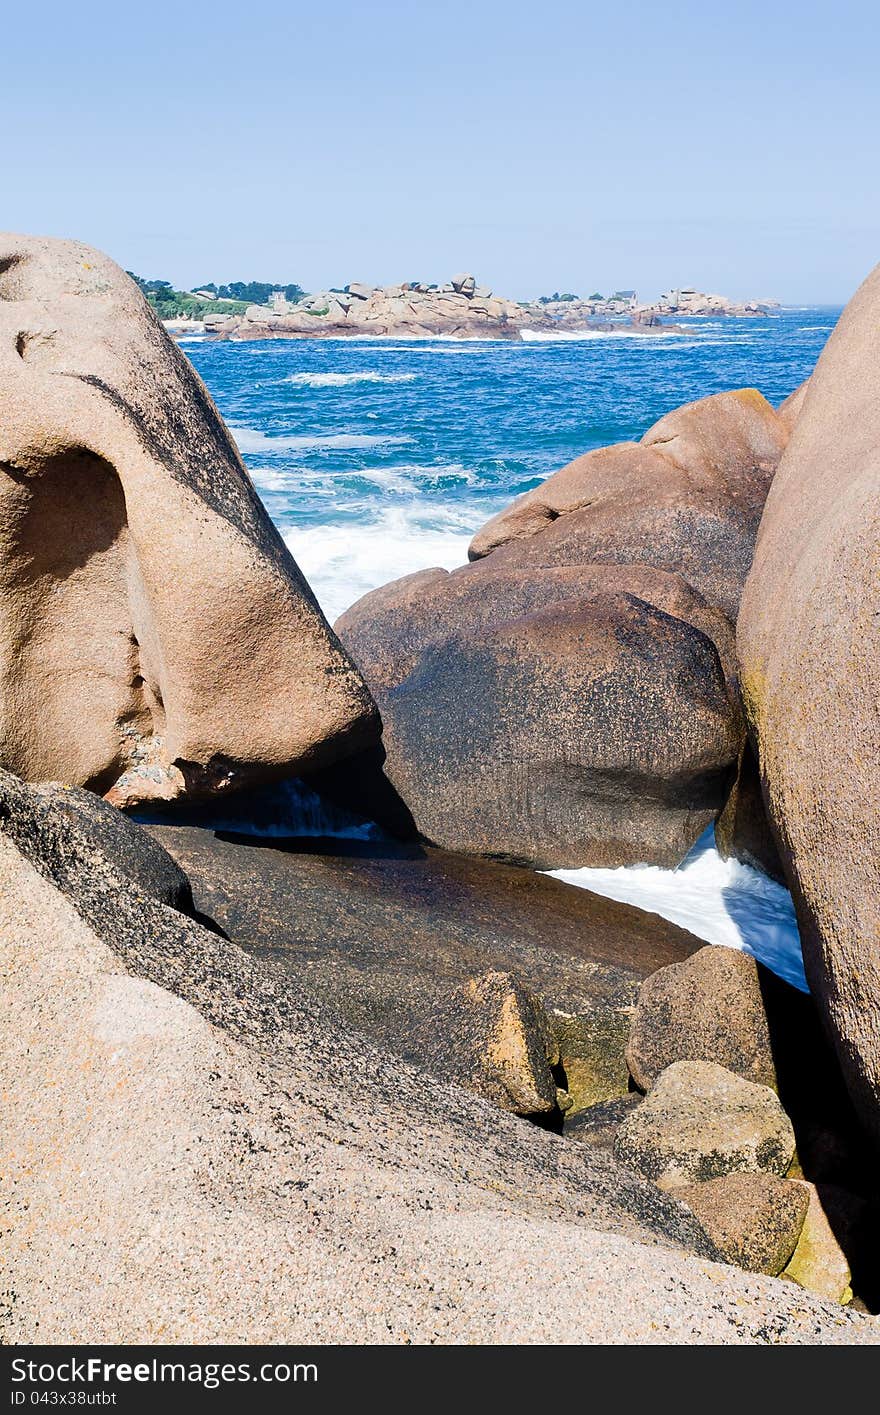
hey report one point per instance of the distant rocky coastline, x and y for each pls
(460, 309)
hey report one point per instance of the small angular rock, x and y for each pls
(700, 1122)
(707, 1008)
(754, 1220)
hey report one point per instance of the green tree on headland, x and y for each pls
(253, 292)
(228, 299)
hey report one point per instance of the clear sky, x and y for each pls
(570, 146)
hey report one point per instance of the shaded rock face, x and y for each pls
(708, 1008)
(570, 697)
(743, 831)
(598, 1124)
(807, 635)
(84, 821)
(700, 1122)
(155, 635)
(553, 719)
(447, 961)
(755, 1220)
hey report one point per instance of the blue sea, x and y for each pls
(377, 457)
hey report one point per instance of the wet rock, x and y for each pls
(392, 936)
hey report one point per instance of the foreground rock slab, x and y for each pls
(156, 637)
(180, 1163)
(397, 938)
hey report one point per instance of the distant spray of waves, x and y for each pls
(342, 564)
(344, 380)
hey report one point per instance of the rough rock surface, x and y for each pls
(807, 636)
(710, 1007)
(700, 1122)
(155, 634)
(687, 499)
(505, 1049)
(598, 1124)
(391, 938)
(755, 1220)
(572, 722)
(592, 1055)
(80, 820)
(237, 1191)
(570, 697)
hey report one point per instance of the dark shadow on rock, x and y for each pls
(359, 785)
(336, 846)
(833, 1150)
(210, 924)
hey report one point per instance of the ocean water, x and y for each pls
(376, 458)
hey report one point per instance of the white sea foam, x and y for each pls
(250, 441)
(341, 380)
(343, 562)
(578, 336)
(720, 901)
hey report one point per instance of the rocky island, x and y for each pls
(401, 1088)
(460, 309)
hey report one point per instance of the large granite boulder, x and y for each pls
(570, 698)
(555, 718)
(688, 499)
(710, 1007)
(808, 644)
(155, 635)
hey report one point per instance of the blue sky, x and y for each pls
(543, 146)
